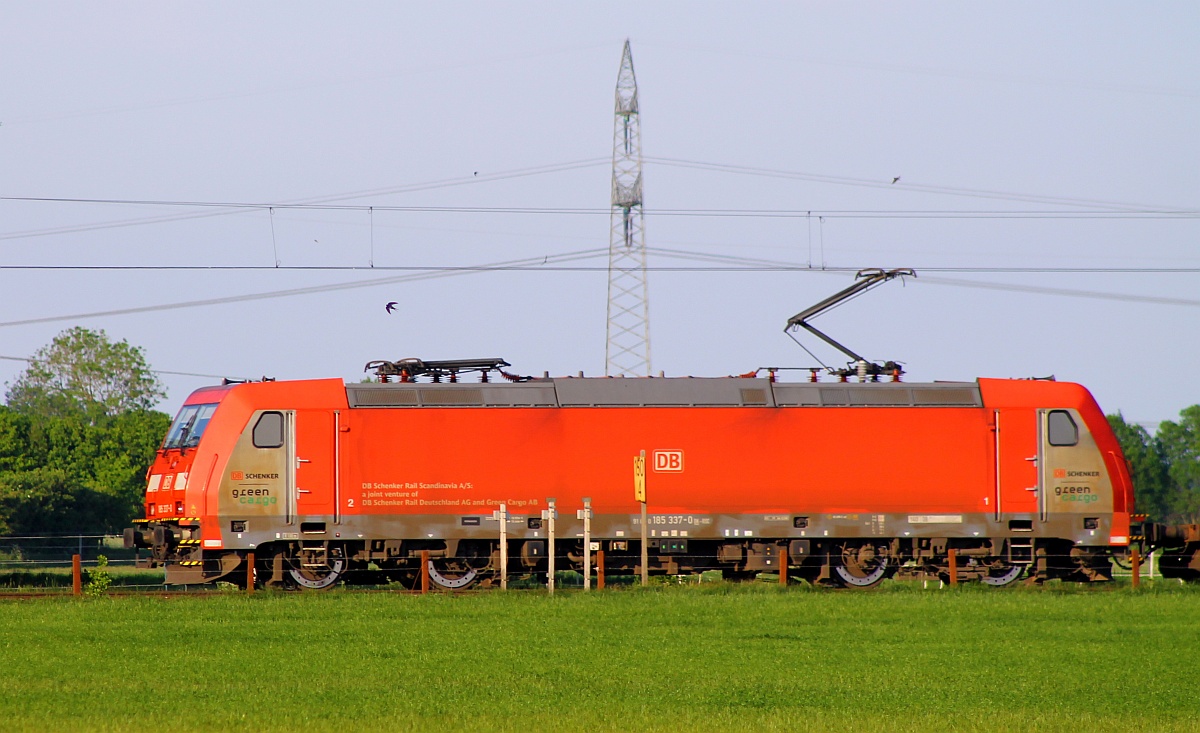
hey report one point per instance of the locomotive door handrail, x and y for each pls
(1040, 462)
(337, 467)
(291, 461)
(996, 418)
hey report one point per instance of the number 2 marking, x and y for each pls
(350, 502)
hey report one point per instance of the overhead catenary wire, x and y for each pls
(550, 263)
(290, 292)
(980, 284)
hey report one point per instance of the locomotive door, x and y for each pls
(314, 450)
(1018, 453)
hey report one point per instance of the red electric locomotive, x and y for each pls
(847, 483)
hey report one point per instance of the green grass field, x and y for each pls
(710, 657)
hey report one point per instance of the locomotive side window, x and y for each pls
(1061, 428)
(268, 431)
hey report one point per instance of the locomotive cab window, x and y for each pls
(1061, 428)
(268, 431)
(189, 426)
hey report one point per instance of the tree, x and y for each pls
(1148, 466)
(82, 372)
(1181, 449)
(77, 436)
(65, 474)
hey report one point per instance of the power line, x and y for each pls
(156, 371)
(233, 208)
(919, 187)
(979, 284)
(374, 282)
(1114, 209)
(1107, 87)
(1041, 290)
(677, 212)
(731, 263)
(276, 89)
(538, 266)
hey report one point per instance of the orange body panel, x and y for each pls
(701, 460)
(755, 460)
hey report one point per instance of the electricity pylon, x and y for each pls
(628, 349)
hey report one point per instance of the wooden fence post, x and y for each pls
(953, 566)
(550, 515)
(599, 569)
(76, 575)
(783, 565)
(1137, 568)
(249, 572)
(424, 571)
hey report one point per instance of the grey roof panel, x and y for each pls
(412, 394)
(652, 392)
(886, 395)
(962, 395)
(662, 392)
(382, 395)
(525, 394)
(882, 394)
(797, 395)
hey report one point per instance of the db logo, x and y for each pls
(237, 476)
(668, 461)
(1060, 473)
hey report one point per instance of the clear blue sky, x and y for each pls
(1077, 122)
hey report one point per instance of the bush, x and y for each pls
(98, 579)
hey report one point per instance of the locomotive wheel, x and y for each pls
(1002, 574)
(452, 573)
(861, 567)
(316, 576)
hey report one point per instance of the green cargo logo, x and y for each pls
(1082, 494)
(254, 496)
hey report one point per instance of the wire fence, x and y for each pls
(45, 562)
(57, 550)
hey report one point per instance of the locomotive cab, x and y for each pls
(171, 524)
(1060, 477)
(232, 473)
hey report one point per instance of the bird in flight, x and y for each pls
(391, 306)
(895, 179)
